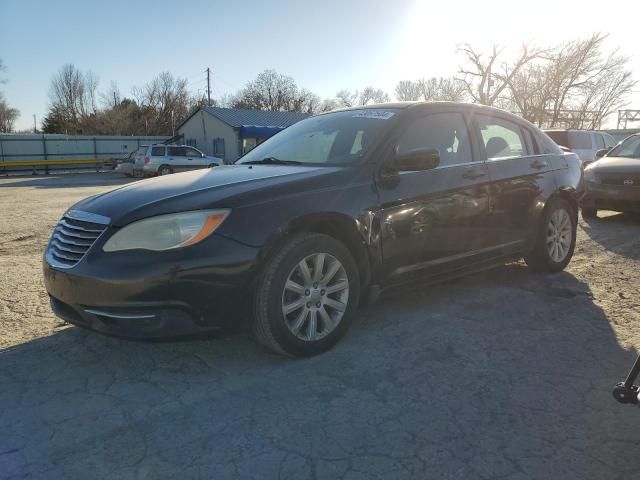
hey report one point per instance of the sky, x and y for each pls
(324, 45)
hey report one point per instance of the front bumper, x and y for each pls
(612, 197)
(143, 294)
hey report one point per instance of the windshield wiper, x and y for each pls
(271, 161)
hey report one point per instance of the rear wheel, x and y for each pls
(589, 212)
(164, 170)
(556, 238)
(306, 296)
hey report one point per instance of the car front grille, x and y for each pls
(71, 240)
(623, 181)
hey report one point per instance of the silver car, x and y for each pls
(125, 165)
(166, 159)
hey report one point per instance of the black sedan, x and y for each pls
(613, 181)
(319, 218)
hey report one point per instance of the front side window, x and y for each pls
(157, 151)
(599, 141)
(193, 153)
(445, 132)
(501, 138)
(629, 148)
(177, 151)
(339, 138)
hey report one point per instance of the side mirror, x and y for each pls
(601, 153)
(417, 160)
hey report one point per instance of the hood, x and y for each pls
(220, 187)
(617, 165)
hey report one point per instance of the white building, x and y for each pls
(228, 133)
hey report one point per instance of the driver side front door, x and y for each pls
(432, 220)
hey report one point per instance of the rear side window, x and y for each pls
(501, 138)
(177, 151)
(609, 140)
(157, 151)
(561, 137)
(445, 132)
(599, 140)
(579, 140)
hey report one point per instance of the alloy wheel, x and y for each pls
(315, 296)
(559, 230)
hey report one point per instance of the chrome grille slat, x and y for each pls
(60, 237)
(71, 233)
(60, 246)
(72, 238)
(66, 257)
(76, 227)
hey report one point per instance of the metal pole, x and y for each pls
(44, 151)
(208, 87)
(35, 125)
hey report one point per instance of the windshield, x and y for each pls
(338, 138)
(629, 148)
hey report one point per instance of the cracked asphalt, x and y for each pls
(504, 374)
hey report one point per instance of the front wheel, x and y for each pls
(556, 238)
(306, 296)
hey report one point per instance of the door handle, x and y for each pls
(538, 164)
(473, 174)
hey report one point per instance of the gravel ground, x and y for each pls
(505, 374)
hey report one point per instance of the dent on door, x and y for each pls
(429, 228)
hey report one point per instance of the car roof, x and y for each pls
(421, 104)
(170, 145)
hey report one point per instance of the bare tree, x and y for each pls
(573, 85)
(486, 77)
(347, 98)
(442, 89)
(432, 89)
(269, 91)
(112, 97)
(74, 93)
(368, 95)
(408, 91)
(373, 95)
(8, 115)
(163, 102)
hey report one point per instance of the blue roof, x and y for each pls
(236, 117)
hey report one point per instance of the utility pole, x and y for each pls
(208, 87)
(115, 102)
(35, 125)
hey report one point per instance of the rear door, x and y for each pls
(521, 176)
(581, 144)
(430, 220)
(176, 157)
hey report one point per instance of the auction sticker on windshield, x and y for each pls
(379, 114)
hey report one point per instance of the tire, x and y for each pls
(164, 170)
(589, 212)
(295, 333)
(552, 231)
(212, 165)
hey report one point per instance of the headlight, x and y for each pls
(165, 232)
